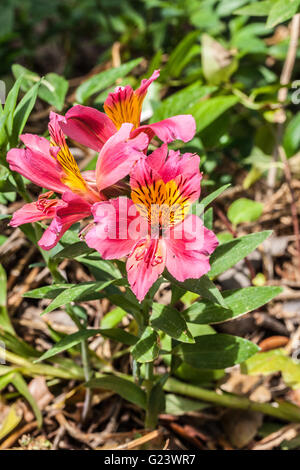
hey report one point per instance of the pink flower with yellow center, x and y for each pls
(51, 165)
(92, 128)
(153, 228)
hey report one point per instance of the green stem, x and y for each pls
(28, 368)
(57, 277)
(283, 410)
(86, 364)
(20, 187)
(87, 375)
(150, 418)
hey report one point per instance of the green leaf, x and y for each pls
(53, 87)
(5, 322)
(156, 402)
(103, 80)
(20, 384)
(291, 138)
(53, 90)
(208, 218)
(238, 301)
(203, 286)
(198, 376)
(77, 293)
(74, 250)
(29, 78)
(228, 254)
(170, 321)
(97, 265)
(126, 389)
(181, 55)
(2, 287)
(23, 111)
(177, 405)
(244, 210)
(10, 104)
(209, 110)
(217, 62)
(17, 345)
(282, 10)
(260, 8)
(181, 101)
(113, 318)
(119, 335)
(212, 196)
(48, 292)
(146, 349)
(68, 342)
(11, 421)
(5, 184)
(273, 361)
(216, 351)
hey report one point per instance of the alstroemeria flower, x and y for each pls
(51, 165)
(92, 128)
(154, 228)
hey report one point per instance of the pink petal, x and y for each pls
(145, 265)
(143, 174)
(118, 156)
(125, 104)
(36, 163)
(111, 236)
(33, 212)
(184, 169)
(142, 90)
(157, 158)
(188, 248)
(74, 210)
(182, 127)
(88, 126)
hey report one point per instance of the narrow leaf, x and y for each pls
(103, 80)
(238, 301)
(126, 389)
(20, 384)
(146, 349)
(217, 351)
(203, 286)
(68, 342)
(230, 253)
(170, 321)
(76, 293)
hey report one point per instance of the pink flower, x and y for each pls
(92, 128)
(52, 166)
(154, 228)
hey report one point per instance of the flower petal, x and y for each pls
(75, 209)
(145, 265)
(70, 173)
(36, 163)
(88, 126)
(125, 104)
(33, 212)
(118, 156)
(182, 127)
(111, 235)
(184, 169)
(188, 248)
(142, 90)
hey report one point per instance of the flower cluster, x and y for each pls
(152, 228)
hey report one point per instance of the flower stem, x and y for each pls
(150, 418)
(284, 410)
(86, 364)
(87, 375)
